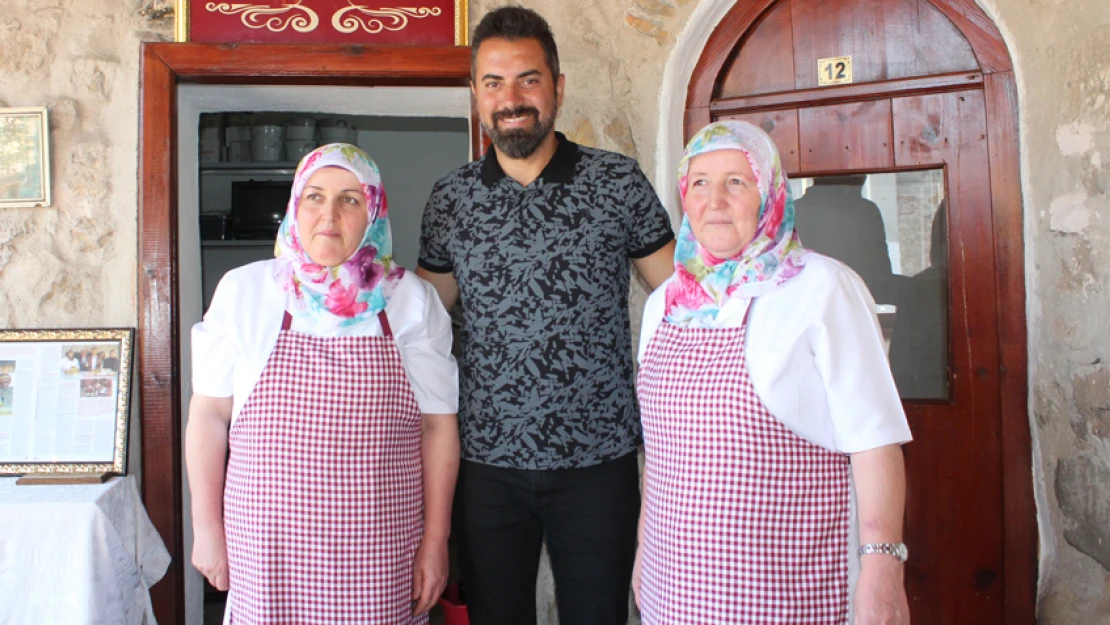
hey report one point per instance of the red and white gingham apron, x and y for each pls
(323, 506)
(746, 522)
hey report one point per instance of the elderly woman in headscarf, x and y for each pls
(765, 397)
(327, 372)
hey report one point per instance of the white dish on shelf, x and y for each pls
(266, 142)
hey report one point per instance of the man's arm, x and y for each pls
(445, 284)
(654, 268)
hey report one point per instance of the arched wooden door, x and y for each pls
(908, 171)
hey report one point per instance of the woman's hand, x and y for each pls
(429, 575)
(636, 567)
(881, 593)
(210, 556)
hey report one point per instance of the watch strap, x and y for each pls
(896, 550)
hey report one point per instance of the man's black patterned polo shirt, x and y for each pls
(543, 273)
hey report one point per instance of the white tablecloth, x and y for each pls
(76, 555)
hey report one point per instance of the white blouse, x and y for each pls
(233, 343)
(815, 356)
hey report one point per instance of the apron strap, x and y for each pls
(382, 319)
(287, 322)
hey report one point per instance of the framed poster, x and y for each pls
(24, 157)
(64, 401)
(362, 22)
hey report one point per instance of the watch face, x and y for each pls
(902, 552)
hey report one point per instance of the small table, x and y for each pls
(77, 554)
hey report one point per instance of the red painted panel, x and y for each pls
(375, 22)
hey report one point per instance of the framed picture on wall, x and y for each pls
(24, 157)
(64, 401)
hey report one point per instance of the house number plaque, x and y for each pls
(836, 70)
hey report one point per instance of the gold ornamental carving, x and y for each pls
(351, 18)
(275, 19)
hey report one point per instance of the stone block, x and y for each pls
(1083, 492)
(94, 77)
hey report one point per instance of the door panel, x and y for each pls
(767, 57)
(950, 129)
(855, 135)
(887, 40)
(783, 128)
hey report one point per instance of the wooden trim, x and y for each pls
(1019, 506)
(980, 31)
(694, 120)
(164, 66)
(262, 63)
(960, 81)
(157, 345)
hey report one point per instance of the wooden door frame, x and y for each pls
(1020, 540)
(164, 67)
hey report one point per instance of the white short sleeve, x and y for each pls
(815, 357)
(424, 339)
(652, 318)
(863, 402)
(216, 348)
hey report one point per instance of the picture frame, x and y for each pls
(65, 401)
(24, 157)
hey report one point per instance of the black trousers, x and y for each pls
(588, 517)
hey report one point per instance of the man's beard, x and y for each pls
(521, 142)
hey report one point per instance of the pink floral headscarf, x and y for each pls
(703, 283)
(332, 298)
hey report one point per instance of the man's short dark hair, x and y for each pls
(514, 23)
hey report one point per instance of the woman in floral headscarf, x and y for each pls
(765, 393)
(332, 368)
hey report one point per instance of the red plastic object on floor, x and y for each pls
(454, 610)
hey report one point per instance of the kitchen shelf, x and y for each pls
(233, 243)
(257, 168)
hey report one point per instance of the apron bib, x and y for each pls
(323, 504)
(746, 522)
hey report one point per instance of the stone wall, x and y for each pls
(1062, 54)
(74, 264)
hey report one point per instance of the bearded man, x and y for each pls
(535, 241)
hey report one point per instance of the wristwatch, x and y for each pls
(898, 550)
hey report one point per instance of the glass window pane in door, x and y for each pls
(891, 229)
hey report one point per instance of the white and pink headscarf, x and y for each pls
(702, 282)
(334, 298)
